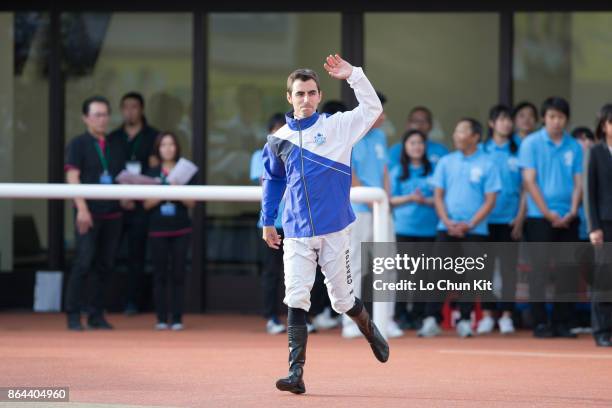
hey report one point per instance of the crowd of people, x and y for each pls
(98, 157)
(519, 178)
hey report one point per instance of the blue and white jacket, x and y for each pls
(311, 159)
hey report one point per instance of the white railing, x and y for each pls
(376, 196)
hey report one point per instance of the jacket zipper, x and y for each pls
(304, 179)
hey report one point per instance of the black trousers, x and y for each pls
(135, 230)
(508, 260)
(95, 256)
(270, 279)
(169, 256)
(434, 309)
(418, 308)
(601, 313)
(541, 230)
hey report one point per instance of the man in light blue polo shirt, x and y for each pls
(419, 118)
(551, 163)
(466, 185)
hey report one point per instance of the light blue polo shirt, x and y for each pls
(413, 219)
(435, 151)
(509, 198)
(466, 180)
(368, 162)
(255, 176)
(555, 166)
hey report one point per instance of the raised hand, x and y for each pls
(338, 68)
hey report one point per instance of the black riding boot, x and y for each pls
(298, 335)
(379, 345)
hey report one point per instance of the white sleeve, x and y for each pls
(353, 125)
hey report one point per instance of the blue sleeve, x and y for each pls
(492, 179)
(526, 159)
(393, 155)
(438, 179)
(395, 183)
(256, 166)
(274, 182)
(383, 139)
(579, 160)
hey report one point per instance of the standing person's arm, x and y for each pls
(518, 222)
(387, 182)
(492, 187)
(531, 186)
(527, 161)
(484, 210)
(443, 215)
(596, 233)
(576, 199)
(84, 221)
(74, 164)
(274, 183)
(439, 183)
(354, 124)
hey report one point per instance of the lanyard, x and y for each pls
(164, 177)
(101, 155)
(135, 146)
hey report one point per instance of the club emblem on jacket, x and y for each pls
(319, 139)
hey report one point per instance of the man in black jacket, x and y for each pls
(599, 195)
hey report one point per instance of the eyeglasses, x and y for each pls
(99, 115)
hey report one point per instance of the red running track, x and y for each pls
(229, 361)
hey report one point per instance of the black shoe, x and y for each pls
(543, 331)
(74, 322)
(98, 323)
(603, 340)
(379, 345)
(298, 336)
(564, 331)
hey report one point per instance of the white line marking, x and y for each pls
(528, 354)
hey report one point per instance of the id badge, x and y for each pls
(133, 167)
(168, 210)
(106, 178)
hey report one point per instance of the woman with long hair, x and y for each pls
(506, 219)
(170, 235)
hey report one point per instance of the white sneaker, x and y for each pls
(350, 330)
(161, 326)
(506, 326)
(464, 328)
(430, 328)
(393, 330)
(324, 320)
(485, 325)
(177, 326)
(274, 327)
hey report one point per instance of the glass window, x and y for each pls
(110, 54)
(447, 62)
(24, 129)
(249, 59)
(567, 55)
